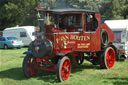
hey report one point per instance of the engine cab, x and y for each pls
(65, 37)
(73, 29)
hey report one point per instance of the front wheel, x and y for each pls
(28, 66)
(107, 58)
(63, 68)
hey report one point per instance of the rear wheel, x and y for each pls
(63, 69)
(28, 66)
(107, 58)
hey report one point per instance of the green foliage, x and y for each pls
(18, 12)
(2, 2)
(124, 9)
(87, 4)
(22, 12)
(116, 9)
(106, 9)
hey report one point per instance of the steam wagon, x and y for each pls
(65, 38)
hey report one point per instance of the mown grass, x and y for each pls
(87, 74)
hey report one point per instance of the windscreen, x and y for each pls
(64, 20)
(11, 38)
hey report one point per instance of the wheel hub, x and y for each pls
(66, 69)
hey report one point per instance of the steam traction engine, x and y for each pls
(64, 38)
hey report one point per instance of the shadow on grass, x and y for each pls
(17, 73)
(119, 81)
(14, 73)
(22, 56)
(47, 76)
(85, 66)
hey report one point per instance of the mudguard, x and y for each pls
(27, 52)
(61, 54)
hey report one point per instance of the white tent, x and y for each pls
(117, 25)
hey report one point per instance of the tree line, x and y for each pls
(22, 12)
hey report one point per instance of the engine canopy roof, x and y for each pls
(66, 10)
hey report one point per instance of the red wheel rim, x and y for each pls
(66, 69)
(30, 66)
(110, 58)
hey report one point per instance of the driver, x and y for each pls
(64, 22)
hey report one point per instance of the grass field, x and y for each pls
(87, 74)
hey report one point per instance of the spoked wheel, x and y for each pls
(63, 69)
(79, 59)
(108, 58)
(28, 66)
